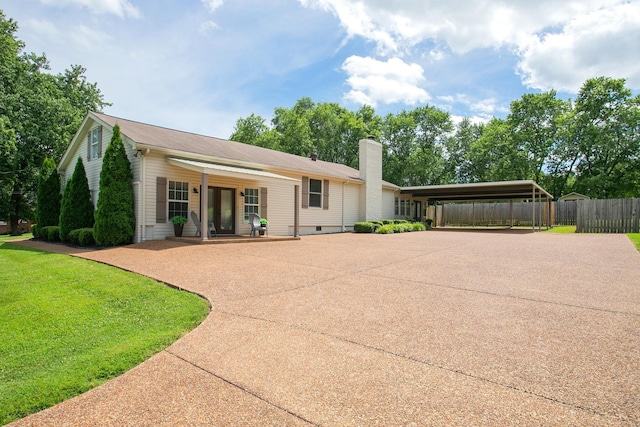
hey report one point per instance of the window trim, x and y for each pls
(245, 213)
(184, 192)
(316, 193)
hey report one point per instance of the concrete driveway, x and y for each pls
(434, 328)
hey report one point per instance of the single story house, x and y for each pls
(177, 172)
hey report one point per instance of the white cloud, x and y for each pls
(604, 42)
(208, 27)
(121, 8)
(374, 81)
(560, 42)
(483, 109)
(212, 5)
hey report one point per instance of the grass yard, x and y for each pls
(635, 238)
(8, 238)
(562, 229)
(69, 325)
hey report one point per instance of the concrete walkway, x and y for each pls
(434, 328)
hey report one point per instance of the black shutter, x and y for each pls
(325, 194)
(161, 199)
(305, 192)
(263, 202)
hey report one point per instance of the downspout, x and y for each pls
(343, 185)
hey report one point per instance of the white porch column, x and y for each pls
(204, 202)
(296, 211)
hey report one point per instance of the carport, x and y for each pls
(488, 191)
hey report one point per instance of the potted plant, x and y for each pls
(178, 222)
(263, 226)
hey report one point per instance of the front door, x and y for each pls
(418, 213)
(221, 209)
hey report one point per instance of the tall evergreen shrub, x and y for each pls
(48, 197)
(115, 216)
(77, 209)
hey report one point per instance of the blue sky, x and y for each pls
(199, 65)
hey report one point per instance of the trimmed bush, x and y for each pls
(50, 233)
(115, 215)
(386, 229)
(387, 226)
(34, 230)
(429, 221)
(363, 227)
(77, 208)
(82, 237)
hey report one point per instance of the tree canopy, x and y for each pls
(39, 114)
(590, 145)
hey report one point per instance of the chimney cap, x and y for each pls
(314, 156)
(372, 137)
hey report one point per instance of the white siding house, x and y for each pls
(179, 172)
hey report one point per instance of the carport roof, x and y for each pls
(500, 190)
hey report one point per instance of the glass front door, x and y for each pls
(221, 209)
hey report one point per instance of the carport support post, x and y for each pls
(204, 202)
(540, 210)
(473, 213)
(511, 213)
(533, 208)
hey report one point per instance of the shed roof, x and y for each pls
(500, 190)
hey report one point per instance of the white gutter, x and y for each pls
(343, 184)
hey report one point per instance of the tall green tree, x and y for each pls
(49, 197)
(534, 121)
(39, 114)
(458, 165)
(115, 215)
(76, 210)
(607, 131)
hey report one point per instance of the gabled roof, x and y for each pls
(573, 196)
(224, 151)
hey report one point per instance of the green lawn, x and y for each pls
(562, 229)
(70, 324)
(8, 238)
(635, 238)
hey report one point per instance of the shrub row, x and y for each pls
(401, 228)
(386, 226)
(82, 237)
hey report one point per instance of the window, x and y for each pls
(251, 202)
(178, 199)
(397, 207)
(315, 193)
(94, 140)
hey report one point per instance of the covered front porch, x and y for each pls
(224, 204)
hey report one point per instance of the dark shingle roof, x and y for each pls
(190, 143)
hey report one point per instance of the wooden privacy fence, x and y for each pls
(608, 216)
(493, 214)
(566, 212)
